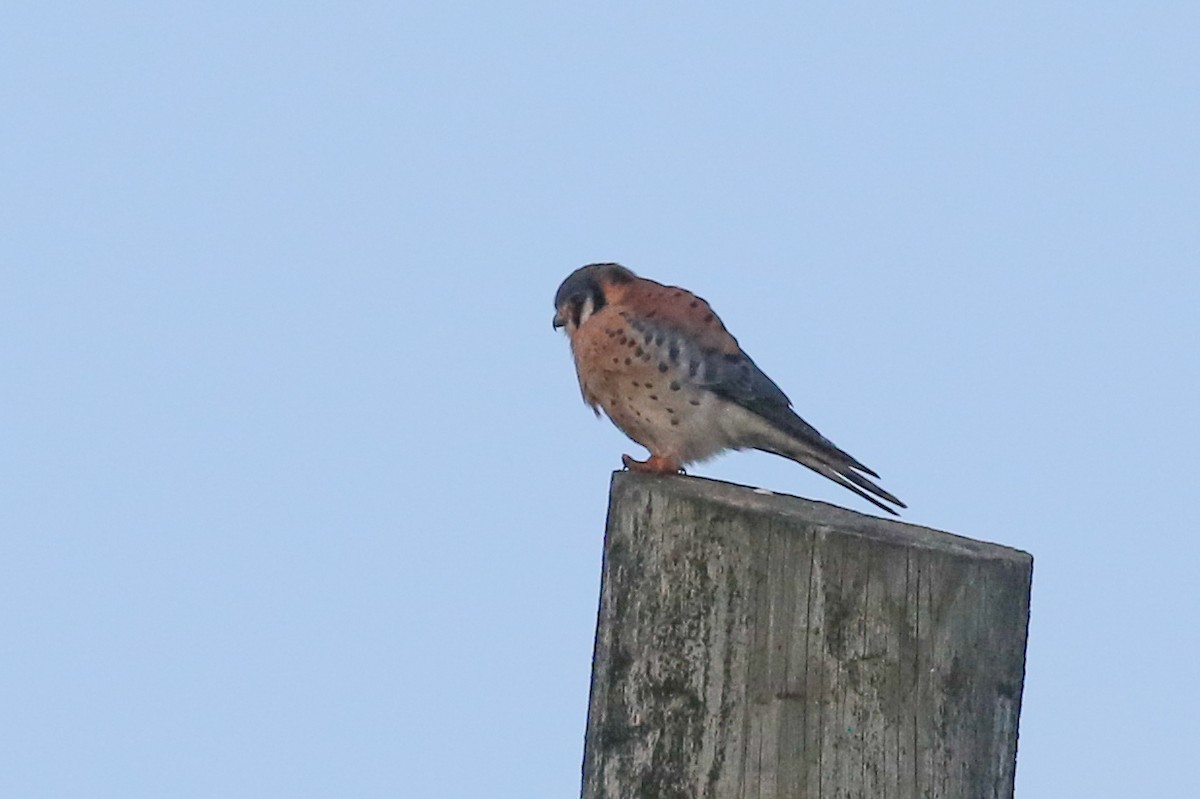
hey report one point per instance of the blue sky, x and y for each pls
(299, 497)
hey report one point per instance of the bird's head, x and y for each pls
(586, 291)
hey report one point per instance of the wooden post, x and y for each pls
(760, 645)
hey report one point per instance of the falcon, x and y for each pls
(661, 365)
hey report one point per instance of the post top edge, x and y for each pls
(748, 499)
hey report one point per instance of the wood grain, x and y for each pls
(765, 646)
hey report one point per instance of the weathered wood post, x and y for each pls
(759, 645)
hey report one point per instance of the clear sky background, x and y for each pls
(297, 494)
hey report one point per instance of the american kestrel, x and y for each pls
(665, 370)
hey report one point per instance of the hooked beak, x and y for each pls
(558, 321)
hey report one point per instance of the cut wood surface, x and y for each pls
(759, 645)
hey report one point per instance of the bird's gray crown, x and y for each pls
(587, 281)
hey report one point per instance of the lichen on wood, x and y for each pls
(762, 645)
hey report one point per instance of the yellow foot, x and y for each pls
(655, 464)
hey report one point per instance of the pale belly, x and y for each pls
(669, 417)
